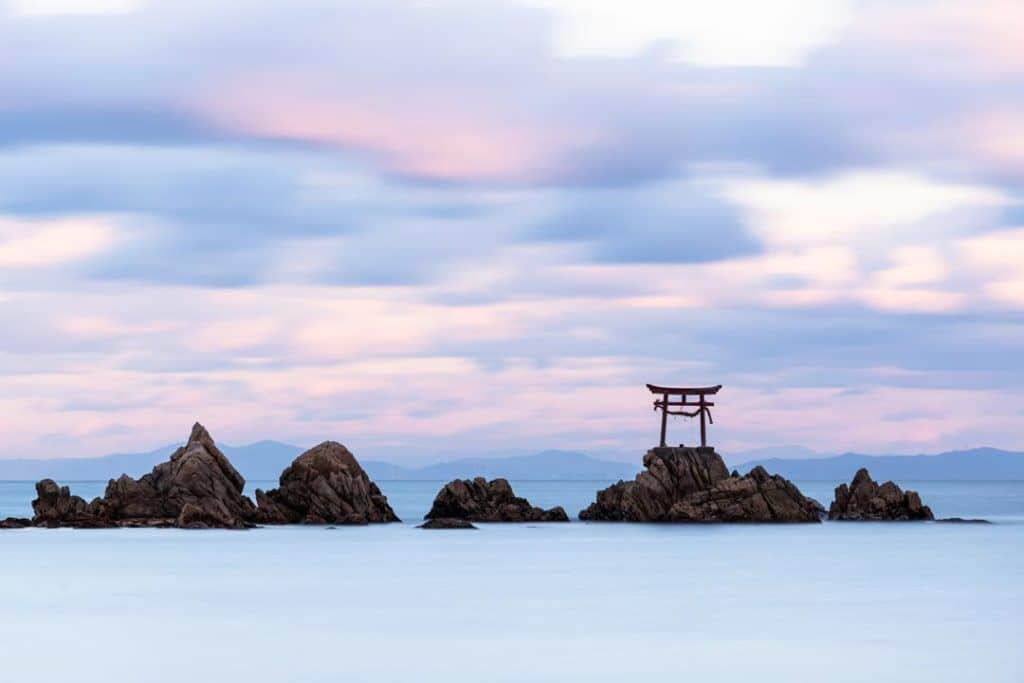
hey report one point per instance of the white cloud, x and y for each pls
(725, 32)
(26, 243)
(997, 259)
(55, 7)
(868, 207)
(914, 265)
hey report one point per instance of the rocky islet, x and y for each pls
(866, 500)
(479, 500)
(198, 488)
(681, 484)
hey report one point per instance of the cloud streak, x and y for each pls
(282, 216)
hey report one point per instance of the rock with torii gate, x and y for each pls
(681, 484)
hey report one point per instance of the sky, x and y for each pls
(433, 228)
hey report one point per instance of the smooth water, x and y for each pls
(550, 602)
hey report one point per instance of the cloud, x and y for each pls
(451, 139)
(280, 216)
(42, 243)
(866, 207)
(996, 258)
(482, 92)
(670, 222)
(57, 7)
(964, 41)
(779, 34)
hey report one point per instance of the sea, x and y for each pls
(533, 602)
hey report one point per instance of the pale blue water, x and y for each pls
(557, 602)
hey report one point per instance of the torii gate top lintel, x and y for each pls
(676, 391)
(701, 404)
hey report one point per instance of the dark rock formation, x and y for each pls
(693, 485)
(446, 523)
(324, 485)
(479, 500)
(15, 523)
(197, 488)
(55, 506)
(961, 520)
(865, 500)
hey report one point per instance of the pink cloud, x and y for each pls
(967, 39)
(424, 131)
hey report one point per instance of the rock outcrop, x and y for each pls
(479, 500)
(865, 500)
(15, 523)
(446, 523)
(55, 506)
(324, 485)
(197, 488)
(693, 485)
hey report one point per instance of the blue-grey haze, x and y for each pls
(265, 460)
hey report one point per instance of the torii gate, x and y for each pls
(701, 404)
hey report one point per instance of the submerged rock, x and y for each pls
(479, 500)
(865, 500)
(197, 488)
(693, 485)
(961, 520)
(324, 485)
(446, 523)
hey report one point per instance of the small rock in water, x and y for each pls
(961, 520)
(15, 523)
(446, 523)
(479, 500)
(865, 500)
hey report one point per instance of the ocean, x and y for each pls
(537, 602)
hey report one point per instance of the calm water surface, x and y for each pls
(555, 602)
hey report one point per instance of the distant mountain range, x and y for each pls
(264, 460)
(557, 465)
(769, 452)
(976, 464)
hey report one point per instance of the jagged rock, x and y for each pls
(479, 500)
(324, 485)
(196, 488)
(198, 477)
(15, 523)
(865, 500)
(693, 485)
(446, 523)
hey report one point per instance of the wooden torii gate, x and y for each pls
(702, 406)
